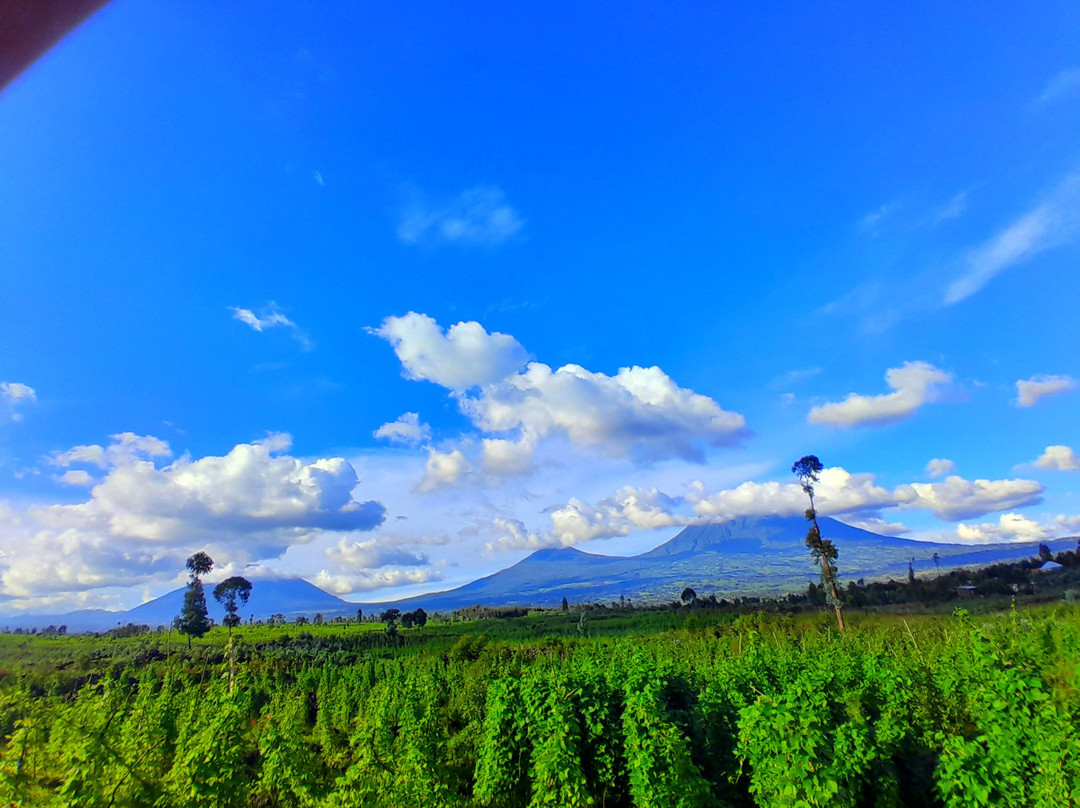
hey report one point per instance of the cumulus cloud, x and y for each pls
(515, 536)
(639, 412)
(629, 509)
(1050, 224)
(876, 524)
(913, 383)
(940, 466)
(367, 581)
(465, 356)
(837, 491)
(957, 498)
(443, 469)
(357, 556)
(14, 396)
(1029, 391)
(270, 317)
(142, 520)
(857, 498)
(407, 430)
(125, 447)
(1059, 458)
(508, 457)
(76, 477)
(477, 216)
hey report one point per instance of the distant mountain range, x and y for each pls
(750, 556)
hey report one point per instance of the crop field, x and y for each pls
(678, 708)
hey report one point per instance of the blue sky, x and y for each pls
(223, 229)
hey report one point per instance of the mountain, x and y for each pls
(742, 557)
(288, 596)
(750, 556)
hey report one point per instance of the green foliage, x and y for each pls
(194, 620)
(768, 710)
(232, 593)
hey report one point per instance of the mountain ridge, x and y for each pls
(753, 555)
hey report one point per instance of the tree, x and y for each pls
(318, 621)
(359, 615)
(232, 593)
(390, 616)
(565, 607)
(200, 564)
(808, 469)
(688, 595)
(937, 563)
(419, 617)
(302, 620)
(911, 570)
(193, 619)
(407, 620)
(1044, 552)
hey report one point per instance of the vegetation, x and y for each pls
(689, 706)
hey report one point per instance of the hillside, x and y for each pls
(743, 557)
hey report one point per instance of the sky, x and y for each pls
(388, 296)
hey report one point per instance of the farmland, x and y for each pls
(679, 707)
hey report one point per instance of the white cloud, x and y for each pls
(914, 384)
(367, 581)
(17, 391)
(1029, 391)
(271, 317)
(1010, 527)
(856, 498)
(464, 356)
(508, 457)
(515, 536)
(477, 216)
(443, 469)
(1059, 458)
(358, 556)
(957, 498)
(1067, 525)
(126, 447)
(1063, 85)
(407, 430)
(13, 396)
(639, 412)
(837, 491)
(630, 509)
(76, 477)
(1050, 224)
(141, 521)
(875, 524)
(940, 466)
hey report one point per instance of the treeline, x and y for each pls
(758, 711)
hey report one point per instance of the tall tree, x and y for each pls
(808, 469)
(232, 593)
(193, 620)
(199, 564)
(688, 595)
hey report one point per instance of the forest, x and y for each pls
(680, 707)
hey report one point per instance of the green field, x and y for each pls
(681, 707)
